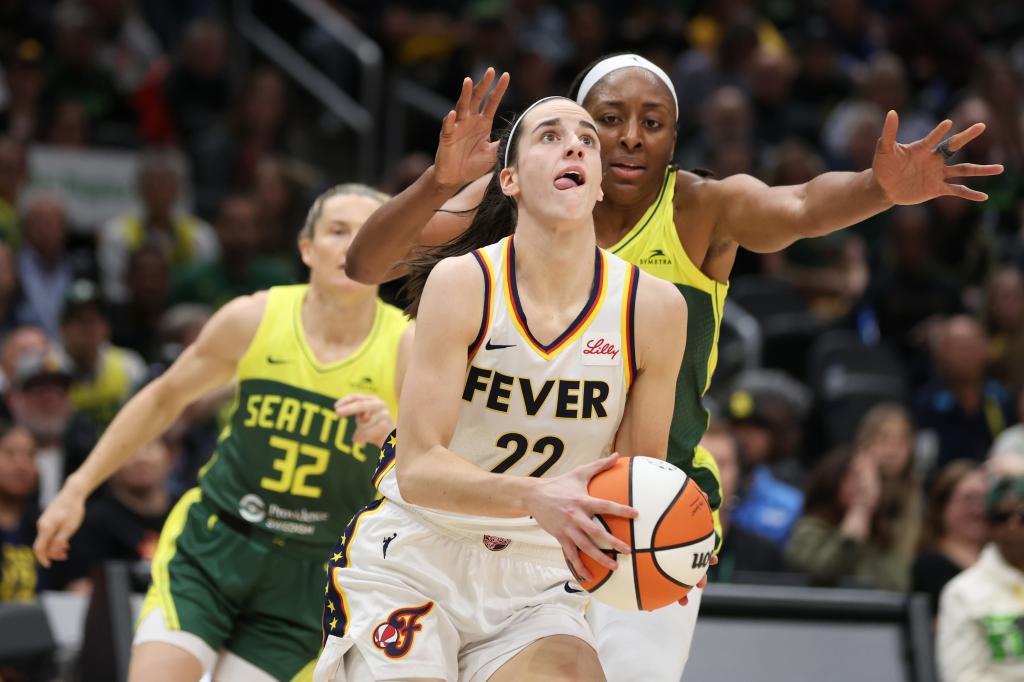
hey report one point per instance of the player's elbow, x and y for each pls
(411, 481)
(358, 269)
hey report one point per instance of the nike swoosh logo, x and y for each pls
(496, 346)
(569, 589)
(276, 361)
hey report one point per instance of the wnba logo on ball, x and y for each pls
(701, 560)
(395, 635)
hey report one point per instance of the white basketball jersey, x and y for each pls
(533, 409)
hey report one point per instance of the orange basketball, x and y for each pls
(671, 539)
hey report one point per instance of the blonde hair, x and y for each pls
(349, 189)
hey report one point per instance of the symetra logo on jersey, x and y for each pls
(395, 635)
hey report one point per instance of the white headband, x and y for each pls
(512, 134)
(623, 61)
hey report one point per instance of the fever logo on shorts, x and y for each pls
(495, 544)
(395, 635)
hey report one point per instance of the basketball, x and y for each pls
(671, 539)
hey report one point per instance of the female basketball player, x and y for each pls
(676, 225)
(239, 568)
(571, 352)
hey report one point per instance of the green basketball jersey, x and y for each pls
(286, 462)
(653, 245)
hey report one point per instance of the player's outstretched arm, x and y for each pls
(660, 321)
(208, 363)
(431, 475)
(765, 219)
(464, 155)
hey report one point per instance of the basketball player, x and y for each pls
(676, 225)
(238, 571)
(458, 572)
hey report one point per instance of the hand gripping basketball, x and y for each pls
(671, 539)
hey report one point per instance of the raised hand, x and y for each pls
(465, 151)
(373, 419)
(562, 506)
(915, 172)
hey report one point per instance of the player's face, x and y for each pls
(636, 118)
(341, 217)
(556, 173)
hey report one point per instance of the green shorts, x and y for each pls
(259, 599)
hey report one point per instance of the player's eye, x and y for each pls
(587, 140)
(549, 137)
(609, 120)
(651, 123)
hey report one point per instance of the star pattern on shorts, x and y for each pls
(336, 556)
(334, 623)
(392, 440)
(330, 606)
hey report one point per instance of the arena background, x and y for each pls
(219, 121)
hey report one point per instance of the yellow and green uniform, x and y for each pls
(101, 394)
(653, 244)
(241, 559)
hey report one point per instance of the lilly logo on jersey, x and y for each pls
(601, 348)
(395, 635)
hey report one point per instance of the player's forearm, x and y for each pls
(388, 236)
(836, 200)
(147, 415)
(440, 479)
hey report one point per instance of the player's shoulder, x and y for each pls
(240, 316)
(659, 305)
(456, 271)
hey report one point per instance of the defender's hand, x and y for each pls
(465, 151)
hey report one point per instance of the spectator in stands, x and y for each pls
(907, 292)
(981, 613)
(104, 376)
(10, 291)
(1011, 440)
(13, 176)
(44, 266)
(1004, 318)
(38, 400)
(128, 47)
(22, 339)
(135, 323)
(964, 247)
(886, 433)
(196, 89)
(769, 77)
(726, 118)
(68, 125)
(240, 270)
(840, 539)
(77, 75)
(955, 528)
(960, 409)
(281, 188)
(182, 237)
(764, 425)
(257, 126)
(19, 578)
(20, 119)
(124, 524)
(742, 551)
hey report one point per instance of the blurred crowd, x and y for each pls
(870, 382)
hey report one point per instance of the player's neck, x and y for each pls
(615, 215)
(555, 265)
(337, 320)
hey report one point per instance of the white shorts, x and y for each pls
(644, 646)
(417, 599)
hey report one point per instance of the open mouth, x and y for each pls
(571, 178)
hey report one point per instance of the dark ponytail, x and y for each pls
(494, 219)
